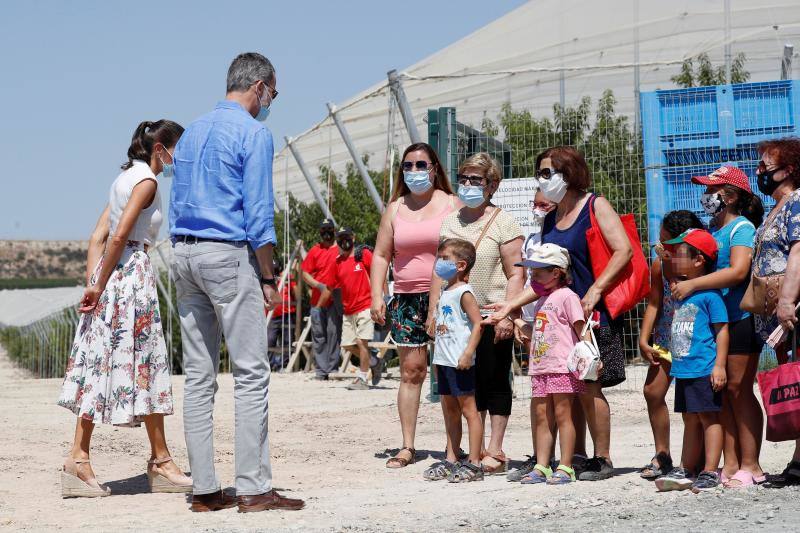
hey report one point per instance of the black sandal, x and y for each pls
(660, 466)
(400, 461)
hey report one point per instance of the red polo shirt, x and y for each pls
(321, 264)
(353, 279)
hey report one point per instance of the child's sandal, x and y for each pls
(562, 476)
(540, 474)
(466, 472)
(440, 470)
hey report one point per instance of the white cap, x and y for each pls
(546, 255)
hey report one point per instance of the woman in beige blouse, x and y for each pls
(494, 279)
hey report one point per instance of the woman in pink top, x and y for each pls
(408, 236)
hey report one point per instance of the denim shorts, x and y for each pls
(408, 312)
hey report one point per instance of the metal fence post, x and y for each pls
(356, 158)
(396, 85)
(786, 61)
(310, 180)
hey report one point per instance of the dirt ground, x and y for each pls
(329, 446)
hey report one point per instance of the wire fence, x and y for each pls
(609, 142)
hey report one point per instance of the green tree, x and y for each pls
(699, 72)
(351, 206)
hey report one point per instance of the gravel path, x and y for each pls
(329, 446)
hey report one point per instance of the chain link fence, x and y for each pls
(610, 142)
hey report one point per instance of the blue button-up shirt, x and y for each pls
(223, 179)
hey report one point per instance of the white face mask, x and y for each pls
(712, 203)
(554, 188)
(538, 220)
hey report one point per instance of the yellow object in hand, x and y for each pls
(663, 353)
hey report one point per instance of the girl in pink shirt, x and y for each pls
(558, 322)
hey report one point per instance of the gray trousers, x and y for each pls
(326, 333)
(219, 293)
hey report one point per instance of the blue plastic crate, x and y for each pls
(691, 132)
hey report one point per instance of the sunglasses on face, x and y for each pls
(464, 179)
(546, 173)
(408, 166)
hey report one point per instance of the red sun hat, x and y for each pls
(725, 175)
(698, 238)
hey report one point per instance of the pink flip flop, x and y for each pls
(758, 480)
(744, 478)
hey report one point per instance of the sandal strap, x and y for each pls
(159, 461)
(544, 470)
(567, 470)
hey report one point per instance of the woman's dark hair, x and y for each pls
(676, 222)
(787, 152)
(571, 163)
(440, 180)
(147, 134)
(747, 204)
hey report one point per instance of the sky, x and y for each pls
(77, 77)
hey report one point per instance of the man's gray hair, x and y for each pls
(247, 69)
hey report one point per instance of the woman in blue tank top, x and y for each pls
(564, 178)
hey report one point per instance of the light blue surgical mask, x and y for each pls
(263, 112)
(445, 269)
(471, 195)
(418, 182)
(168, 169)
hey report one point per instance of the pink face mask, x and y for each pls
(543, 289)
(540, 288)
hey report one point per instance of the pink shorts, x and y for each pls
(543, 385)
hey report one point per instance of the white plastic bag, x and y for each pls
(584, 360)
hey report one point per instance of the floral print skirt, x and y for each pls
(408, 312)
(118, 370)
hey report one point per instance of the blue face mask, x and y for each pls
(445, 269)
(418, 182)
(471, 195)
(263, 112)
(168, 169)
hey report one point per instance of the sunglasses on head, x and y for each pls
(466, 179)
(546, 173)
(408, 166)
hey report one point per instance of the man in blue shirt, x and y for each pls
(221, 224)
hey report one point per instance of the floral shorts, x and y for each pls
(543, 385)
(409, 312)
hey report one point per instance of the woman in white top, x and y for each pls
(119, 370)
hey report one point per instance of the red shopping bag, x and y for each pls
(780, 391)
(633, 283)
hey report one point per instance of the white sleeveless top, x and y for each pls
(147, 225)
(453, 327)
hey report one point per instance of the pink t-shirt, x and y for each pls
(415, 245)
(553, 333)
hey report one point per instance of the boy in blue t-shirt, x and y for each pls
(699, 348)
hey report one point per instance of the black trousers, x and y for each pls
(492, 368)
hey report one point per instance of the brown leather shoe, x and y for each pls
(268, 500)
(204, 503)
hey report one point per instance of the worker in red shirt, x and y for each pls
(326, 314)
(352, 277)
(280, 325)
